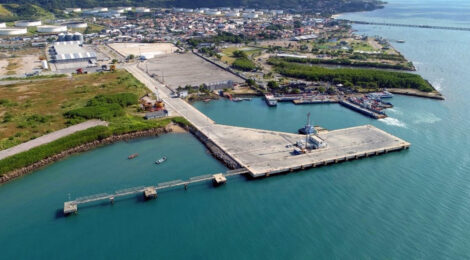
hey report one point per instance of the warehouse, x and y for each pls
(70, 51)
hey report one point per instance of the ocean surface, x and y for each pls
(413, 204)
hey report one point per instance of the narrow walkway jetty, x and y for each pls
(450, 28)
(150, 192)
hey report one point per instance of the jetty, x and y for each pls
(256, 152)
(264, 152)
(451, 28)
(149, 192)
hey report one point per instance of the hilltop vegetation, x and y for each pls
(325, 6)
(14, 11)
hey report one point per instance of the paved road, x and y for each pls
(50, 138)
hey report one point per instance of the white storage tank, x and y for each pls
(44, 64)
(52, 28)
(76, 25)
(13, 31)
(142, 10)
(25, 23)
(78, 37)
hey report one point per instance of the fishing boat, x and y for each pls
(161, 160)
(132, 156)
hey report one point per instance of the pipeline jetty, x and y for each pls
(451, 28)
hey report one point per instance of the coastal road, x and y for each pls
(50, 137)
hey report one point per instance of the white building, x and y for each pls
(213, 12)
(250, 15)
(232, 14)
(3, 25)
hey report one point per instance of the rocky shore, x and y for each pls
(215, 150)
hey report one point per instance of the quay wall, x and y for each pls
(79, 149)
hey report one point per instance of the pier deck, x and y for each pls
(264, 152)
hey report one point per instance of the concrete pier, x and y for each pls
(219, 179)
(150, 193)
(264, 152)
(70, 208)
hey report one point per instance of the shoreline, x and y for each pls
(214, 150)
(12, 175)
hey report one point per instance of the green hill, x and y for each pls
(325, 6)
(12, 12)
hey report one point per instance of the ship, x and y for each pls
(270, 100)
(132, 156)
(161, 160)
(308, 129)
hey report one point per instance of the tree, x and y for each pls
(239, 54)
(273, 84)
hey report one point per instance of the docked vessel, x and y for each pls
(132, 156)
(161, 160)
(270, 100)
(308, 129)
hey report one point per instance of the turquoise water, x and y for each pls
(405, 205)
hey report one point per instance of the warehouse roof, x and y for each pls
(71, 50)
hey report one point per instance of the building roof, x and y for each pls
(71, 50)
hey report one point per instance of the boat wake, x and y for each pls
(393, 122)
(427, 118)
(437, 84)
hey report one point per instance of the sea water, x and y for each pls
(404, 205)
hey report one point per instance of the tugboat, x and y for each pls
(308, 129)
(161, 160)
(132, 156)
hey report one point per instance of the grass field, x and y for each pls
(227, 53)
(36, 108)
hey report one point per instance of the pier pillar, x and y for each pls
(150, 193)
(70, 208)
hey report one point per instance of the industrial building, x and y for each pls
(3, 25)
(70, 51)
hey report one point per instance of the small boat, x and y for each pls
(237, 99)
(132, 156)
(161, 160)
(207, 100)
